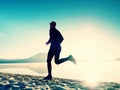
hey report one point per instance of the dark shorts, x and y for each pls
(54, 51)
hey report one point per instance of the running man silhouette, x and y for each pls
(55, 48)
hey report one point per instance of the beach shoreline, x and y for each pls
(10, 81)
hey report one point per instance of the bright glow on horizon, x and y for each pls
(88, 41)
(90, 72)
(91, 83)
(92, 42)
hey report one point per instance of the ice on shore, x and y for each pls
(30, 82)
(10, 81)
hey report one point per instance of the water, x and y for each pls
(36, 67)
(93, 71)
(101, 71)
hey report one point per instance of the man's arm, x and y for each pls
(60, 37)
(49, 38)
(48, 42)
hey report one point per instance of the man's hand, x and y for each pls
(47, 43)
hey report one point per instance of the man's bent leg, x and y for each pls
(57, 55)
(59, 61)
(69, 58)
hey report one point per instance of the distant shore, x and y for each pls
(10, 81)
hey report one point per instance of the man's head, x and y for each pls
(52, 24)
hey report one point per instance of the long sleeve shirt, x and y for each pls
(55, 37)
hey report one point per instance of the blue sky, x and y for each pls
(25, 23)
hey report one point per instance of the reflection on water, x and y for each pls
(89, 71)
(37, 67)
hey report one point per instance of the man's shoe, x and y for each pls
(48, 77)
(72, 59)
